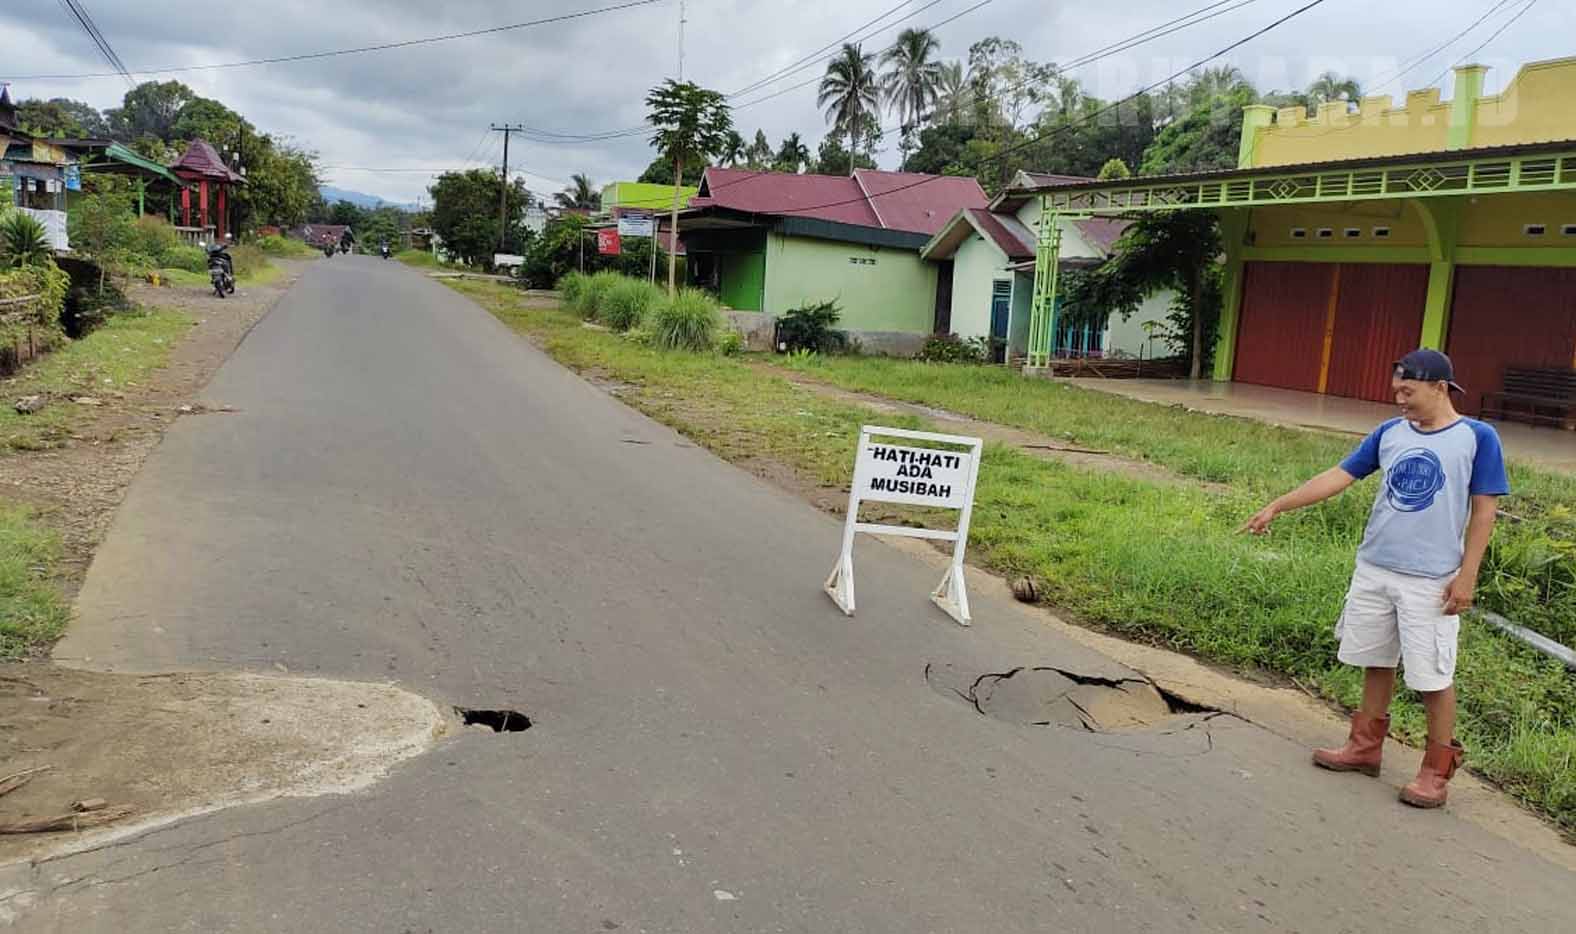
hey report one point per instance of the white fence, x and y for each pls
(54, 226)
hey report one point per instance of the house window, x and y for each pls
(861, 261)
(1568, 230)
(1534, 230)
(1381, 233)
(1352, 233)
(1326, 233)
(1297, 233)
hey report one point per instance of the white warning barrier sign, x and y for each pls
(915, 476)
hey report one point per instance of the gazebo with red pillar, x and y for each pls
(201, 166)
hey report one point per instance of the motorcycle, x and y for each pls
(328, 250)
(221, 270)
(384, 250)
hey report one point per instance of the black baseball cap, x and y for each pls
(1428, 366)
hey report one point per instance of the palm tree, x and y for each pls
(912, 79)
(952, 92)
(1213, 83)
(792, 155)
(733, 151)
(759, 152)
(580, 195)
(848, 92)
(1332, 87)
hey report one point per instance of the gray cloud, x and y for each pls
(428, 106)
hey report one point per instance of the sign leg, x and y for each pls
(840, 585)
(952, 596)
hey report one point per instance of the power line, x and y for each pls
(79, 13)
(1413, 63)
(329, 53)
(787, 69)
(1508, 23)
(1087, 117)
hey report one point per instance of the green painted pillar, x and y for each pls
(1233, 232)
(1463, 106)
(142, 196)
(1255, 117)
(1436, 310)
(1042, 309)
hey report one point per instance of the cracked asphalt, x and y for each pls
(411, 492)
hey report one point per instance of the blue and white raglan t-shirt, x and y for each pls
(1419, 520)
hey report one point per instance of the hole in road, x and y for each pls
(1048, 696)
(500, 721)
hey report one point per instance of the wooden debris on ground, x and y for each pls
(75, 820)
(16, 780)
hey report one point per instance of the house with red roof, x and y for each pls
(202, 168)
(985, 262)
(769, 242)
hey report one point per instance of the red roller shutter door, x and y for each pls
(1280, 337)
(1378, 318)
(1506, 316)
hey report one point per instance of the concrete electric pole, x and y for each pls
(503, 194)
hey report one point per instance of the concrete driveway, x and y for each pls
(408, 491)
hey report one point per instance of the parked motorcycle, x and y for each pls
(221, 270)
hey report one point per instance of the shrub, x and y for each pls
(628, 302)
(23, 241)
(594, 295)
(950, 348)
(154, 239)
(181, 256)
(688, 321)
(811, 327)
(248, 259)
(570, 287)
(275, 245)
(731, 343)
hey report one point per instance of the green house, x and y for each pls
(768, 242)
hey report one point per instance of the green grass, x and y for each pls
(33, 613)
(110, 359)
(263, 275)
(420, 258)
(1156, 563)
(183, 277)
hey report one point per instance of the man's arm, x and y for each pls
(1330, 483)
(1480, 527)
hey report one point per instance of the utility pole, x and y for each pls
(681, 41)
(503, 194)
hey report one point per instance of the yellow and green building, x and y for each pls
(1355, 234)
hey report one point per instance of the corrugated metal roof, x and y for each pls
(903, 201)
(201, 159)
(1011, 237)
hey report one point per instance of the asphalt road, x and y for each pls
(409, 491)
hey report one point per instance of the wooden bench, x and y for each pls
(1539, 395)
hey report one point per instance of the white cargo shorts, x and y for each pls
(1395, 618)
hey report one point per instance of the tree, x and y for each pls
(23, 241)
(849, 93)
(939, 147)
(1003, 84)
(912, 80)
(102, 224)
(692, 125)
(759, 154)
(1115, 169)
(792, 156)
(1177, 251)
(1208, 138)
(207, 119)
(281, 184)
(581, 194)
(733, 151)
(832, 159)
(952, 94)
(345, 214)
(1332, 87)
(149, 109)
(660, 172)
(465, 213)
(1222, 81)
(60, 117)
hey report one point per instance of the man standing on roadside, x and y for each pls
(1417, 566)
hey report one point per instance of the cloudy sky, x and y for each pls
(425, 108)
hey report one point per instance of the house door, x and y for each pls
(943, 323)
(1000, 311)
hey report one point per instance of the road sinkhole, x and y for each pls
(499, 721)
(1048, 696)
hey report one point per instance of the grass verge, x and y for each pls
(118, 354)
(1160, 564)
(32, 611)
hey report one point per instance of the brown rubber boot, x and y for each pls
(1429, 788)
(1363, 748)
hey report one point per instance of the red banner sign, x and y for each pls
(607, 241)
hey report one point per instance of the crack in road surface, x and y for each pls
(1046, 695)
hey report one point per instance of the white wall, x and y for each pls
(976, 266)
(1127, 338)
